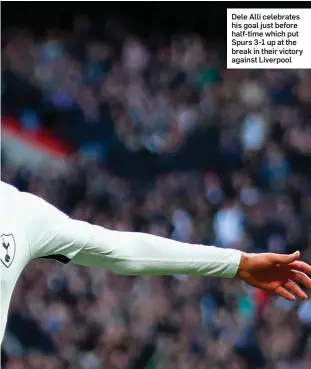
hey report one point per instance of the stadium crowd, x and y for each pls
(170, 142)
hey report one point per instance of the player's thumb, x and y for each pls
(287, 259)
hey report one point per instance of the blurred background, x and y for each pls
(124, 115)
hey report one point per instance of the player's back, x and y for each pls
(14, 247)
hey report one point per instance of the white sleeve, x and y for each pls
(133, 253)
(51, 233)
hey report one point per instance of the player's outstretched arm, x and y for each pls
(51, 233)
(137, 254)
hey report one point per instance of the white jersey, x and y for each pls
(31, 228)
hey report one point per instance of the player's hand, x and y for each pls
(276, 273)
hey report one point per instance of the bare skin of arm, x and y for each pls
(276, 273)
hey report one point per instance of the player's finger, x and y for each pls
(286, 259)
(301, 266)
(301, 278)
(281, 291)
(293, 287)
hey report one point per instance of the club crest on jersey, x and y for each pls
(7, 249)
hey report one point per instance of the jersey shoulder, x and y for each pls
(7, 188)
(40, 221)
(8, 194)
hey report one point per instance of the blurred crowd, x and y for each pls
(167, 141)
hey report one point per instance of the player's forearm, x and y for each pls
(138, 253)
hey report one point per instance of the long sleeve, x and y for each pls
(52, 234)
(144, 254)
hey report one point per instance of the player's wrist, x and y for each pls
(244, 263)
